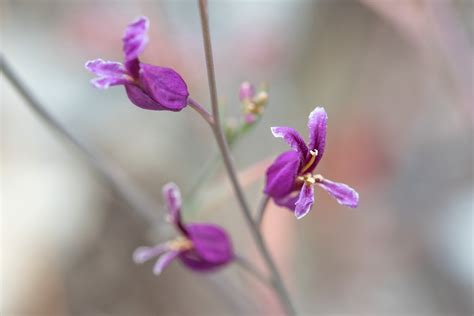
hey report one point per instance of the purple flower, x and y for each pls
(200, 247)
(147, 86)
(291, 179)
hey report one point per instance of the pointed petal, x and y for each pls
(281, 175)
(288, 201)
(164, 261)
(305, 201)
(293, 138)
(172, 197)
(104, 68)
(109, 73)
(106, 82)
(165, 86)
(317, 125)
(211, 243)
(142, 254)
(344, 194)
(135, 38)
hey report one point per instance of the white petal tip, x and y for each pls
(300, 216)
(275, 131)
(319, 110)
(140, 255)
(303, 214)
(97, 84)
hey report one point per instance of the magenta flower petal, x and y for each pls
(281, 175)
(109, 73)
(293, 138)
(305, 201)
(141, 99)
(211, 243)
(104, 68)
(143, 254)
(193, 261)
(317, 125)
(164, 261)
(165, 86)
(135, 38)
(344, 194)
(288, 201)
(172, 197)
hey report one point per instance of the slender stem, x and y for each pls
(250, 268)
(202, 111)
(261, 209)
(113, 175)
(223, 146)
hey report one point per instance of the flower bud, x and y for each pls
(246, 91)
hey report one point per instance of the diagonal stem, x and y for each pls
(113, 175)
(223, 146)
(250, 268)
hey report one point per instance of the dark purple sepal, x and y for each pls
(211, 243)
(141, 99)
(165, 86)
(281, 175)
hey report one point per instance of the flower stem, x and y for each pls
(229, 165)
(202, 111)
(261, 209)
(250, 268)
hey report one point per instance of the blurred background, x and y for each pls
(396, 79)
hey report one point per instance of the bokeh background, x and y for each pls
(396, 79)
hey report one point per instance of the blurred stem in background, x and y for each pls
(212, 165)
(136, 199)
(261, 209)
(277, 282)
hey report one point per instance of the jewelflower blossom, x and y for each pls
(200, 247)
(147, 86)
(290, 179)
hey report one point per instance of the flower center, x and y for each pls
(313, 154)
(310, 179)
(180, 243)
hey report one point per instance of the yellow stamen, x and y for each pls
(308, 179)
(313, 154)
(180, 243)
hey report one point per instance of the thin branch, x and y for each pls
(202, 111)
(261, 209)
(223, 146)
(250, 268)
(111, 174)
